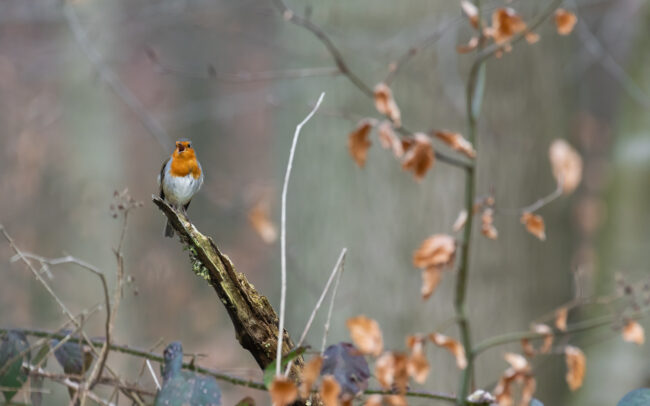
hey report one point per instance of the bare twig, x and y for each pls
(246, 77)
(153, 374)
(334, 272)
(326, 327)
(96, 372)
(283, 232)
(111, 79)
(289, 15)
(66, 381)
(544, 200)
(596, 48)
(576, 328)
(294, 18)
(414, 50)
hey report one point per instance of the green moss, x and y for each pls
(197, 266)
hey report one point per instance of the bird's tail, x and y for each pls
(169, 230)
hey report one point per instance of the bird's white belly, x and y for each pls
(180, 189)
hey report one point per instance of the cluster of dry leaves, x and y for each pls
(394, 369)
(520, 371)
(437, 252)
(506, 24)
(415, 151)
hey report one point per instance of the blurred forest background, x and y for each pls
(222, 73)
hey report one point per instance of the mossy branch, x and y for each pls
(254, 319)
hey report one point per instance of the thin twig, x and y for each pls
(283, 232)
(326, 328)
(70, 384)
(111, 79)
(414, 50)
(294, 18)
(596, 48)
(51, 292)
(96, 372)
(247, 77)
(318, 304)
(576, 328)
(544, 200)
(206, 371)
(141, 354)
(153, 374)
(289, 15)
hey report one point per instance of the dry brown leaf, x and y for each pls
(310, 374)
(457, 142)
(527, 347)
(519, 371)
(419, 157)
(633, 332)
(385, 370)
(438, 250)
(330, 391)
(534, 224)
(518, 362)
(385, 103)
(505, 24)
(565, 21)
(283, 391)
(460, 220)
(532, 37)
(389, 139)
(359, 142)
(366, 334)
(453, 346)
(471, 45)
(576, 366)
(502, 391)
(471, 11)
(561, 315)
(259, 219)
(373, 400)
(548, 337)
(391, 371)
(528, 390)
(566, 164)
(396, 400)
(418, 365)
(487, 226)
(431, 278)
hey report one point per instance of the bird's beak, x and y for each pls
(180, 147)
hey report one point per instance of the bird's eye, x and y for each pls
(189, 145)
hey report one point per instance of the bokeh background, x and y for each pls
(92, 99)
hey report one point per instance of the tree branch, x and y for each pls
(294, 18)
(254, 319)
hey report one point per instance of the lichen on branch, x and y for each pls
(254, 319)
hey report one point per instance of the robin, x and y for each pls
(180, 178)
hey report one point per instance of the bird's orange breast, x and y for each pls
(184, 163)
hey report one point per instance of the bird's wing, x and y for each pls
(160, 177)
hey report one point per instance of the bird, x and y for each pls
(181, 176)
(184, 388)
